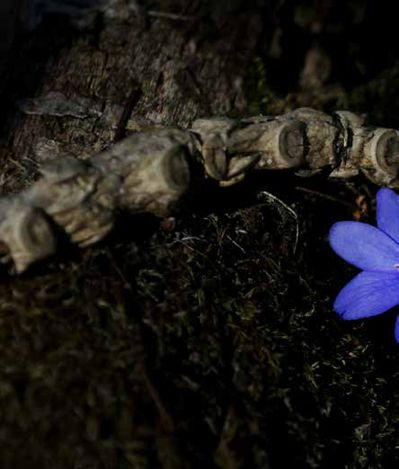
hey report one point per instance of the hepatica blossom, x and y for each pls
(374, 250)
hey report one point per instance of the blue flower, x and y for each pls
(375, 250)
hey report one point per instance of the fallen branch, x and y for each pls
(150, 171)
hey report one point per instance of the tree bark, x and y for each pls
(134, 68)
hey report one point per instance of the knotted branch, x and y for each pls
(150, 171)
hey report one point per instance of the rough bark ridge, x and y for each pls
(136, 68)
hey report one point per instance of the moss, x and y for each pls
(377, 97)
(263, 97)
(258, 91)
(209, 344)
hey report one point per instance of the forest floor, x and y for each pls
(213, 344)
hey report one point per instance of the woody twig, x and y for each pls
(151, 170)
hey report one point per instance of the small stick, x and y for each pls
(151, 170)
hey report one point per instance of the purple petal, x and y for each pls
(388, 212)
(364, 246)
(368, 294)
(397, 329)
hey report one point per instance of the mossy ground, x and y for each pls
(211, 345)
